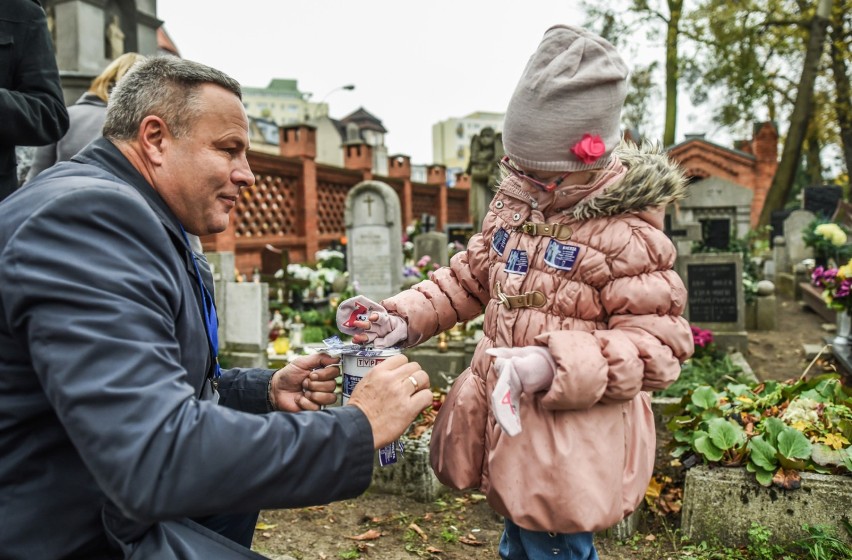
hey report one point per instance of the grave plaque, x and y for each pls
(374, 252)
(715, 297)
(716, 233)
(459, 233)
(712, 292)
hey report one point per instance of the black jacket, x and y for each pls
(103, 356)
(32, 109)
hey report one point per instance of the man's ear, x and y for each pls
(154, 137)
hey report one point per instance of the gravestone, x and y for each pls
(459, 233)
(714, 199)
(246, 323)
(374, 252)
(794, 227)
(716, 300)
(822, 201)
(433, 244)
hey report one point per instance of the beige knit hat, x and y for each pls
(566, 110)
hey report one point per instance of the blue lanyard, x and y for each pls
(211, 320)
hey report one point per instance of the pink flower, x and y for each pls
(589, 149)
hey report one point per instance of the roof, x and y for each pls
(701, 140)
(165, 43)
(364, 119)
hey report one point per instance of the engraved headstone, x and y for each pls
(374, 251)
(716, 300)
(433, 244)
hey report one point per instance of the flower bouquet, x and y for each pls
(836, 284)
(828, 240)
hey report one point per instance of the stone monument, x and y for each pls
(432, 244)
(373, 228)
(486, 151)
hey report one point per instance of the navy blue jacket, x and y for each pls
(32, 109)
(103, 356)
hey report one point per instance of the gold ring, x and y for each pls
(414, 382)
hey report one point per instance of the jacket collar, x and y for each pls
(104, 154)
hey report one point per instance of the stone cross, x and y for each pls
(427, 223)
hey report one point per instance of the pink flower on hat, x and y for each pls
(589, 148)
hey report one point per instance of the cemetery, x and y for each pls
(708, 421)
(753, 440)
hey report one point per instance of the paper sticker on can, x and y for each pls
(357, 364)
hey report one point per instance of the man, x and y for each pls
(108, 415)
(32, 109)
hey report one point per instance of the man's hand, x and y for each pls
(306, 383)
(391, 395)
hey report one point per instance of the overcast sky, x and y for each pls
(413, 62)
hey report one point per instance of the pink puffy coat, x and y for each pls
(602, 296)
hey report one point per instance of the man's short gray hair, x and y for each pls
(165, 86)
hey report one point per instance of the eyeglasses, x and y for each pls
(548, 187)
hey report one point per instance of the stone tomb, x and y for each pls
(721, 207)
(716, 300)
(374, 251)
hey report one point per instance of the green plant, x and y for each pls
(822, 544)
(773, 429)
(350, 554)
(760, 544)
(706, 370)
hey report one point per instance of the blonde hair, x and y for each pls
(103, 84)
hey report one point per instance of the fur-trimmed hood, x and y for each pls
(640, 178)
(651, 180)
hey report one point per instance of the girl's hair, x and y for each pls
(103, 84)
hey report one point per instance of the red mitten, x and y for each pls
(522, 370)
(354, 318)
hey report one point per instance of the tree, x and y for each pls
(612, 24)
(782, 183)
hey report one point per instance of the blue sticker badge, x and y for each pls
(388, 454)
(561, 256)
(518, 262)
(498, 242)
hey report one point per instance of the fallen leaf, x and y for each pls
(650, 537)
(788, 479)
(428, 516)
(470, 540)
(370, 535)
(261, 526)
(433, 550)
(266, 535)
(414, 527)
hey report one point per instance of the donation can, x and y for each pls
(356, 363)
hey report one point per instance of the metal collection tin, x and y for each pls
(355, 364)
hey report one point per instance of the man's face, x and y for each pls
(202, 172)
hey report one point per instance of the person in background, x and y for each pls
(32, 109)
(583, 311)
(119, 429)
(86, 115)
